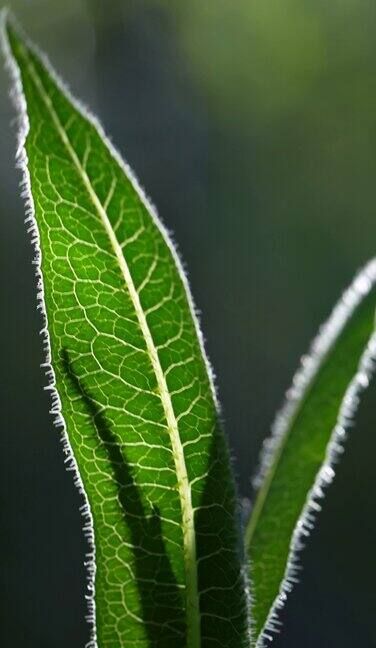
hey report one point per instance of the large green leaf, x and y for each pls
(307, 437)
(134, 390)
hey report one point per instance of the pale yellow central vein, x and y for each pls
(184, 488)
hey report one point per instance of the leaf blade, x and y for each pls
(307, 436)
(131, 374)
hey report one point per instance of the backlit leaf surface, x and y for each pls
(134, 390)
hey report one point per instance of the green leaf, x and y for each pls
(307, 437)
(134, 389)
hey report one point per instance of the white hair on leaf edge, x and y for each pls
(23, 129)
(22, 123)
(362, 285)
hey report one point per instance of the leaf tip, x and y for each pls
(4, 13)
(13, 40)
(8, 30)
(4, 17)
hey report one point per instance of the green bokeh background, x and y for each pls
(252, 125)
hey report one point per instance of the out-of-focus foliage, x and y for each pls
(267, 55)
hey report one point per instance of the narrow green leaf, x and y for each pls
(134, 393)
(307, 437)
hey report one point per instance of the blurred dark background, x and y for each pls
(252, 125)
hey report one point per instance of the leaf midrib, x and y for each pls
(184, 489)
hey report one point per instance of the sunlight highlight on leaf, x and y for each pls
(133, 388)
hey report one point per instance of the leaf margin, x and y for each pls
(22, 121)
(272, 448)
